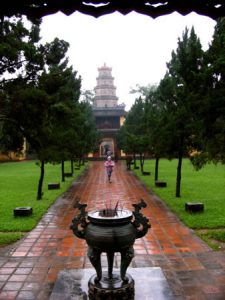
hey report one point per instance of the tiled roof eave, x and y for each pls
(97, 8)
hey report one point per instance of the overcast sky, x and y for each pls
(137, 47)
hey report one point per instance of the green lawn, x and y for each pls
(206, 186)
(18, 188)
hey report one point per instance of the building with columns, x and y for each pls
(109, 115)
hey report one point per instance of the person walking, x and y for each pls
(109, 165)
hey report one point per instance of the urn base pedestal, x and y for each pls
(150, 284)
(111, 288)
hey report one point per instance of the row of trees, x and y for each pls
(39, 98)
(185, 114)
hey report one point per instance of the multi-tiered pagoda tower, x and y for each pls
(108, 114)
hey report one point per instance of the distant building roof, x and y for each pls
(109, 111)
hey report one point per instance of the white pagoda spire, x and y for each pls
(105, 91)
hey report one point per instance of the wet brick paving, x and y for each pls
(29, 268)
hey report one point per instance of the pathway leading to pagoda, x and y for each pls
(29, 268)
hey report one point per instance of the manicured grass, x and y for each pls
(10, 237)
(206, 186)
(219, 235)
(18, 188)
(214, 238)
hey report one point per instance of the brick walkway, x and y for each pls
(29, 268)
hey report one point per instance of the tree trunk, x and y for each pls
(142, 160)
(72, 166)
(62, 170)
(134, 156)
(179, 167)
(156, 168)
(41, 179)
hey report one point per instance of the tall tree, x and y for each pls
(132, 136)
(213, 114)
(179, 93)
(39, 109)
(152, 119)
(21, 59)
(88, 135)
(61, 84)
(39, 93)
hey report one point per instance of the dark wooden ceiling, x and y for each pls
(97, 8)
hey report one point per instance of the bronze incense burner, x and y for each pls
(110, 231)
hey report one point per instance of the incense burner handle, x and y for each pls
(141, 223)
(79, 223)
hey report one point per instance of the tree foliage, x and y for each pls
(21, 54)
(169, 119)
(132, 137)
(40, 100)
(179, 94)
(213, 115)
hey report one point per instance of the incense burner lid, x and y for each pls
(101, 217)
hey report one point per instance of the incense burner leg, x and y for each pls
(126, 258)
(95, 259)
(110, 258)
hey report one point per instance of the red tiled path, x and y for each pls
(29, 268)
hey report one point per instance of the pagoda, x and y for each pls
(109, 115)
